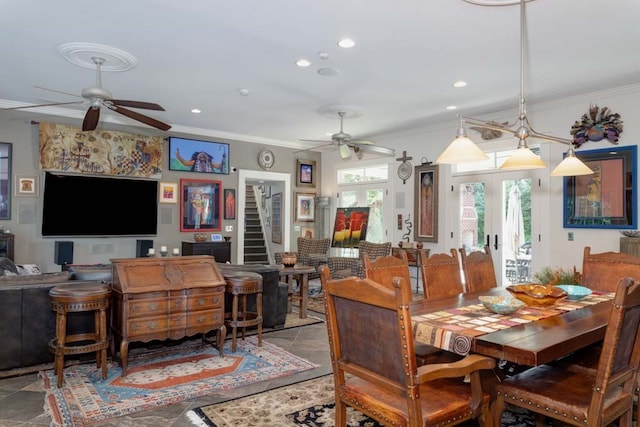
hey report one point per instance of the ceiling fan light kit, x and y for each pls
(522, 157)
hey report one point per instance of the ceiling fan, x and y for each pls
(97, 97)
(344, 141)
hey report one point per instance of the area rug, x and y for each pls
(308, 403)
(162, 378)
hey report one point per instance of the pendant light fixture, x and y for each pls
(461, 150)
(522, 157)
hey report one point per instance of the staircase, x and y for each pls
(255, 251)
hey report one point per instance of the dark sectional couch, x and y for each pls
(28, 323)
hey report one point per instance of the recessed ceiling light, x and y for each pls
(451, 107)
(303, 62)
(196, 111)
(323, 55)
(243, 92)
(459, 83)
(346, 43)
(328, 72)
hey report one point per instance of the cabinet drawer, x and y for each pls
(160, 325)
(204, 321)
(146, 307)
(203, 299)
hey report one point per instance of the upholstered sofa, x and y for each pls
(28, 323)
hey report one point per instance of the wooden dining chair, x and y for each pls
(603, 271)
(374, 367)
(441, 275)
(478, 271)
(580, 398)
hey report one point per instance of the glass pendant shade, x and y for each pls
(523, 158)
(461, 150)
(571, 166)
(344, 151)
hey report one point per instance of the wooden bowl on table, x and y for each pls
(537, 295)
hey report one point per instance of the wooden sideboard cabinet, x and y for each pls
(165, 298)
(221, 251)
(6, 245)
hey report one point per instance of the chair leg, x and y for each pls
(259, 314)
(234, 318)
(341, 414)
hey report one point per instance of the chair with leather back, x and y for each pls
(342, 267)
(604, 270)
(441, 275)
(478, 271)
(382, 270)
(374, 366)
(579, 398)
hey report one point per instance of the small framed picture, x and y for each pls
(229, 203)
(216, 237)
(305, 208)
(26, 185)
(168, 192)
(306, 173)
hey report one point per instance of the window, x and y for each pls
(368, 174)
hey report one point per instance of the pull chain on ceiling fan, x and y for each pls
(97, 97)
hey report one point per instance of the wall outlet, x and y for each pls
(228, 228)
(570, 236)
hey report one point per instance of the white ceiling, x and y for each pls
(408, 53)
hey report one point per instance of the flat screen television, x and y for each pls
(79, 205)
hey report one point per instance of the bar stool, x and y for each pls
(82, 297)
(241, 285)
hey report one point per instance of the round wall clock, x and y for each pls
(404, 171)
(266, 159)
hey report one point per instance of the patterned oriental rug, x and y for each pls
(162, 378)
(308, 403)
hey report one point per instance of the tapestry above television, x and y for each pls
(68, 149)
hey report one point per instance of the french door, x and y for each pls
(501, 210)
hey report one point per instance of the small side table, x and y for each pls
(302, 272)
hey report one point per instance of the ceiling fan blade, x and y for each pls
(327, 144)
(377, 150)
(90, 121)
(141, 118)
(57, 91)
(136, 104)
(361, 142)
(316, 140)
(43, 105)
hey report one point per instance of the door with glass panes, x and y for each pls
(373, 197)
(500, 210)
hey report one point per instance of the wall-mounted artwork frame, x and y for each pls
(305, 207)
(168, 192)
(190, 155)
(5, 179)
(425, 203)
(306, 172)
(276, 218)
(26, 186)
(608, 197)
(200, 205)
(229, 203)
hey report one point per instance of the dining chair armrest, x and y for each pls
(459, 368)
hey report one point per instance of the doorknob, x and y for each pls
(495, 243)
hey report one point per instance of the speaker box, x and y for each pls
(142, 248)
(63, 254)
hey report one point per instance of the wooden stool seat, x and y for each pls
(241, 285)
(75, 298)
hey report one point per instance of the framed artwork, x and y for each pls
(305, 208)
(306, 173)
(26, 185)
(307, 232)
(168, 192)
(190, 155)
(350, 227)
(229, 203)
(5, 180)
(200, 205)
(276, 218)
(608, 197)
(425, 203)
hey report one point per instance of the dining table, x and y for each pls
(530, 336)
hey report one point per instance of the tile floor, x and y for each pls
(22, 399)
